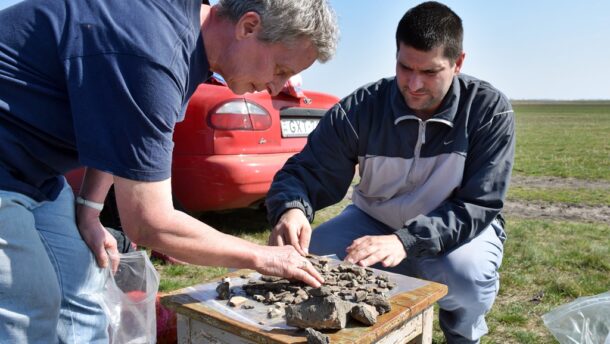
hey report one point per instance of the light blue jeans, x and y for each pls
(47, 274)
(470, 271)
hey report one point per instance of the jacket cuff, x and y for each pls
(304, 207)
(407, 239)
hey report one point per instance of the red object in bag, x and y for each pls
(167, 328)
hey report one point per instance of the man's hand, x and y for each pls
(370, 250)
(100, 241)
(292, 229)
(286, 262)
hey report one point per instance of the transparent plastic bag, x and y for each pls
(128, 299)
(586, 320)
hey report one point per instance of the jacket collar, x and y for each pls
(446, 113)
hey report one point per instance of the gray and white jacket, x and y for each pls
(438, 182)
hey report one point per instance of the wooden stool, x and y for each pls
(409, 321)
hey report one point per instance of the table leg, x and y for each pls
(183, 328)
(191, 331)
(426, 335)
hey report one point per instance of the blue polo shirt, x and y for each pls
(95, 83)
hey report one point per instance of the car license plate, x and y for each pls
(298, 127)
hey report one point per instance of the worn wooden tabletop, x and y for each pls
(405, 306)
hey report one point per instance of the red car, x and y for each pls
(229, 147)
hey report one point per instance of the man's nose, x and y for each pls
(415, 82)
(275, 86)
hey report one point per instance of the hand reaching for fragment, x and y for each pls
(369, 250)
(286, 262)
(292, 229)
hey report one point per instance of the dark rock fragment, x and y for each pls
(321, 291)
(270, 278)
(361, 295)
(365, 314)
(224, 289)
(382, 284)
(316, 337)
(270, 297)
(328, 312)
(380, 303)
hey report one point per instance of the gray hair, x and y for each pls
(286, 21)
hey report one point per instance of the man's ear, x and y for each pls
(248, 25)
(459, 63)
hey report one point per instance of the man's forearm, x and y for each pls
(445, 228)
(94, 188)
(188, 239)
(95, 185)
(149, 219)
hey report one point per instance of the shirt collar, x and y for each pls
(446, 113)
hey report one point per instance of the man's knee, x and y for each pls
(472, 283)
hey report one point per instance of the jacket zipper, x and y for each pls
(421, 139)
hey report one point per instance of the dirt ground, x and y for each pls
(558, 211)
(555, 211)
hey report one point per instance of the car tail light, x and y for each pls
(239, 114)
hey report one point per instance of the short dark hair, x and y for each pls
(430, 25)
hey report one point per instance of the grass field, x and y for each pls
(563, 140)
(546, 263)
(581, 196)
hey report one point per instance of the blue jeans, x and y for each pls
(470, 271)
(47, 274)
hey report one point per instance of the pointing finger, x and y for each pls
(313, 272)
(293, 239)
(305, 237)
(304, 275)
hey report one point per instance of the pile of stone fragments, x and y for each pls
(349, 291)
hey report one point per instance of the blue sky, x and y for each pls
(536, 49)
(539, 49)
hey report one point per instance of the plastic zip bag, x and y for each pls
(586, 320)
(128, 299)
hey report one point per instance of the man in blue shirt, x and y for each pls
(101, 84)
(434, 150)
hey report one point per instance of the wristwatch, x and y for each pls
(90, 204)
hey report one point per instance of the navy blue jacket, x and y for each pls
(437, 182)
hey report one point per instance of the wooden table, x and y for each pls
(409, 321)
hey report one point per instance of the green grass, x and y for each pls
(581, 196)
(175, 277)
(564, 140)
(560, 260)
